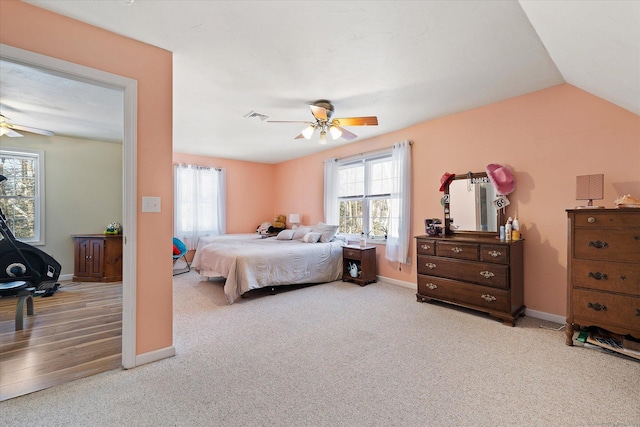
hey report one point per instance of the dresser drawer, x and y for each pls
(494, 253)
(620, 244)
(604, 219)
(426, 247)
(606, 276)
(350, 253)
(464, 293)
(602, 308)
(487, 274)
(458, 250)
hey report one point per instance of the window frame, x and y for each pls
(367, 160)
(38, 238)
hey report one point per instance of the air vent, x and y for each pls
(255, 115)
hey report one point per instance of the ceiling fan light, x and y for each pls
(3, 130)
(308, 131)
(323, 137)
(335, 132)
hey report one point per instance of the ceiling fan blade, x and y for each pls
(289, 121)
(319, 113)
(301, 136)
(33, 130)
(346, 134)
(356, 121)
(11, 133)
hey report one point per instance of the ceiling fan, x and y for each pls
(7, 128)
(322, 111)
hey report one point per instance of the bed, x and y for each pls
(249, 261)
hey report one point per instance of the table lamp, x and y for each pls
(294, 220)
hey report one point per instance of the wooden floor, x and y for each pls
(75, 333)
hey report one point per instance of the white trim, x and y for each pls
(129, 180)
(401, 283)
(546, 316)
(155, 355)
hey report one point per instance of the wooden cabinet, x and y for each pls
(480, 273)
(98, 258)
(603, 270)
(364, 260)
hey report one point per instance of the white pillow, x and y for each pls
(328, 231)
(311, 237)
(285, 235)
(299, 232)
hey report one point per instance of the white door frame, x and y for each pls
(129, 180)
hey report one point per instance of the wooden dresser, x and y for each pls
(98, 258)
(481, 273)
(604, 271)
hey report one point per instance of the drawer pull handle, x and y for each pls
(598, 276)
(495, 254)
(598, 244)
(425, 247)
(597, 307)
(430, 265)
(488, 298)
(591, 220)
(486, 274)
(350, 253)
(456, 250)
(431, 286)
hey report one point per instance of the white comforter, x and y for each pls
(248, 262)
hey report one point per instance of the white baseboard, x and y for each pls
(65, 277)
(546, 316)
(528, 312)
(155, 355)
(401, 283)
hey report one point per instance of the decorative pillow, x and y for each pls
(311, 237)
(285, 235)
(328, 231)
(299, 232)
(176, 251)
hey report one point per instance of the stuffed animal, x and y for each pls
(279, 222)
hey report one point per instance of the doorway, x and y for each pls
(129, 218)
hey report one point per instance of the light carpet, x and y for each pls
(338, 354)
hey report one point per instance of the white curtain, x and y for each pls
(331, 189)
(399, 232)
(200, 203)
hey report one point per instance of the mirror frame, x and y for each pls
(447, 210)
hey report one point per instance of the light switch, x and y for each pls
(150, 204)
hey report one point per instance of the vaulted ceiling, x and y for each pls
(405, 62)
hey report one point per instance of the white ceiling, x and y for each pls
(403, 61)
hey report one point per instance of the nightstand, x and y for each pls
(364, 260)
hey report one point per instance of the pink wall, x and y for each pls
(37, 30)
(546, 138)
(250, 190)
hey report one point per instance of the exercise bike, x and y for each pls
(24, 267)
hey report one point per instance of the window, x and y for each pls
(364, 195)
(22, 194)
(199, 203)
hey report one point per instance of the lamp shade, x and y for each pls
(294, 218)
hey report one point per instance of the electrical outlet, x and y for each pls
(150, 204)
(408, 260)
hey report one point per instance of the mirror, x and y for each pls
(468, 203)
